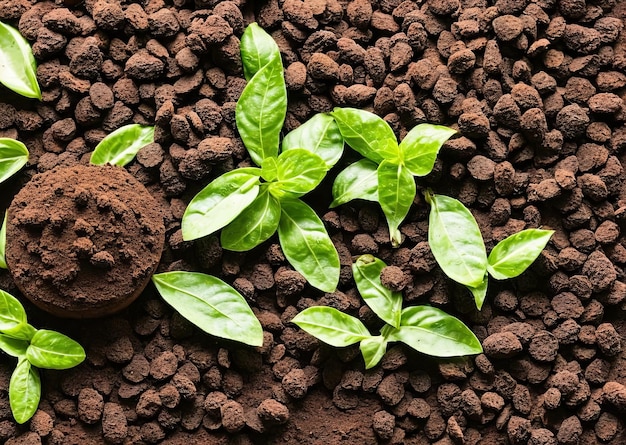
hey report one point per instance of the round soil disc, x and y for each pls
(83, 241)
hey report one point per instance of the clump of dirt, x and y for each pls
(83, 241)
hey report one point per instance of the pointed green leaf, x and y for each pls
(356, 181)
(319, 135)
(24, 332)
(373, 349)
(212, 305)
(420, 147)
(18, 69)
(384, 302)
(480, 292)
(3, 241)
(120, 147)
(12, 314)
(396, 191)
(13, 156)
(220, 202)
(299, 171)
(257, 50)
(307, 246)
(455, 240)
(512, 256)
(254, 225)
(331, 326)
(52, 350)
(431, 331)
(13, 346)
(24, 391)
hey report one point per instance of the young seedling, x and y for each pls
(457, 245)
(387, 173)
(426, 329)
(251, 204)
(120, 147)
(18, 69)
(33, 349)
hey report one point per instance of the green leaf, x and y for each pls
(331, 326)
(24, 391)
(512, 256)
(480, 292)
(373, 349)
(13, 346)
(260, 111)
(12, 314)
(385, 303)
(299, 171)
(396, 191)
(431, 331)
(13, 156)
(307, 246)
(210, 304)
(319, 135)
(3, 241)
(455, 240)
(254, 225)
(22, 332)
(18, 69)
(53, 350)
(367, 133)
(257, 50)
(269, 169)
(220, 202)
(420, 147)
(120, 147)
(356, 181)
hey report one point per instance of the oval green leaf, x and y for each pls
(373, 349)
(319, 135)
(512, 256)
(13, 156)
(307, 246)
(12, 314)
(210, 304)
(53, 350)
(366, 133)
(356, 181)
(420, 147)
(3, 241)
(455, 240)
(480, 292)
(220, 202)
(18, 69)
(24, 391)
(384, 302)
(254, 225)
(299, 171)
(396, 192)
(13, 346)
(331, 326)
(431, 331)
(120, 147)
(22, 332)
(257, 50)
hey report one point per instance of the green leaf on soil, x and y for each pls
(13, 156)
(121, 146)
(385, 303)
(53, 350)
(12, 314)
(373, 349)
(319, 135)
(356, 181)
(396, 191)
(331, 326)
(18, 69)
(512, 256)
(13, 346)
(257, 49)
(24, 391)
(420, 147)
(299, 171)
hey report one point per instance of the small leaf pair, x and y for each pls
(457, 245)
(387, 173)
(426, 329)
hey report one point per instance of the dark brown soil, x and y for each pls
(536, 90)
(85, 240)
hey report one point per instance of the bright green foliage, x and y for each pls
(423, 328)
(121, 146)
(3, 242)
(13, 156)
(212, 305)
(33, 349)
(18, 69)
(396, 165)
(458, 247)
(251, 204)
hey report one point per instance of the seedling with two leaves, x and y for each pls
(426, 329)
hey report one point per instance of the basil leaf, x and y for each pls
(512, 256)
(260, 111)
(356, 181)
(120, 147)
(257, 50)
(13, 346)
(24, 391)
(385, 303)
(13, 156)
(220, 202)
(455, 240)
(480, 292)
(319, 135)
(396, 191)
(3, 241)
(269, 169)
(210, 304)
(420, 147)
(299, 171)
(307, 246)
(18, 69)
(373, 349)
(22, 332)
(366, 133)
(431, 331)
(53, 350)
(331, 326)
(254, 225)
(12, 314)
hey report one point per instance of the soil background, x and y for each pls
(536, 89)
